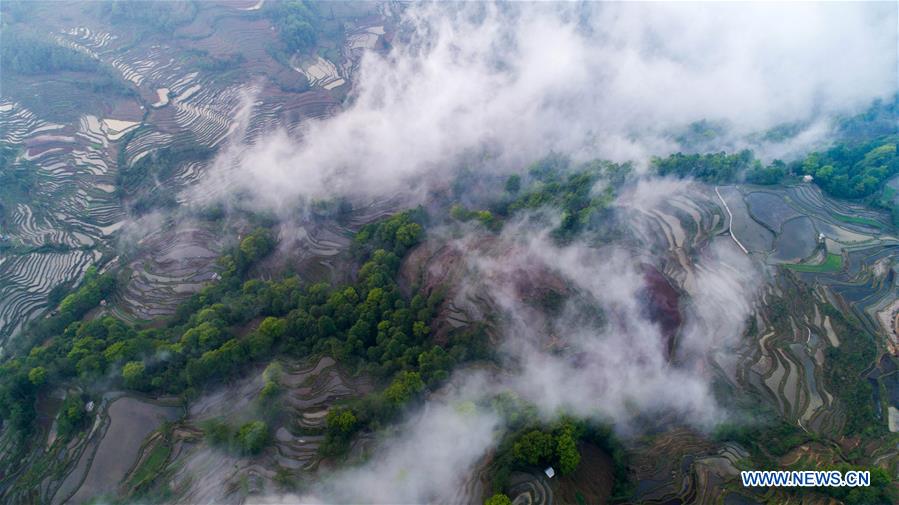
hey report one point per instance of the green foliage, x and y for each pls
(485, 217)
(249, 439)
(566, 451)
(881, 489)
(151, 466)
(272, 387)
(209, 63)
(396, 234)
(533, 448)
(72, 417)
(17, 178)
(217, 433)
(252, 437)
(853, 170)
(153, 169)
(71, 347)
(23, 52)
(269, 391)
(340, 425)
(133, 374)
(37, 375)
(251, 249)
(404, 387)
(368, 325)
(712, 168)
(26, 56)
(296, 22)
(498, 499)
(513, 184)
(572, 190)
(844, 369)
(94, 288)
(341, 421)
(832, 263)
(879, 120)
(767, 439)
(157, 16)
(772, 174)
(17, 397)
(541, 445)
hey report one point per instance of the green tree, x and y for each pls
(252, 437)
(133, 374)
(217, 432)
(513, 184)
(341, 421)
(498, 499)
(533, 448)
(406, 385)
(37, 375)
(567, 453)
(72, 416)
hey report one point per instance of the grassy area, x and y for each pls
(833, 263)
(151, 466)
(856, 220)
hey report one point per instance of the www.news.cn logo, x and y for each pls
(832, 478)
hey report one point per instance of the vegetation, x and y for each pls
(209, 63)
(844, 369)
(485, 217)
(151, 465)
(881, 489)
(858, 166)
(27, 53)
(157, 16)
(854, 170)
(774, 173)
(73, 416)
(297, 22)
(155, 168)
(368, 325)
(530, 443)
(573, 190)
(18, 178)
(33, 55)
(767, 437)
(832, 263)
(498, 499)
(248, 439)
(713, 168)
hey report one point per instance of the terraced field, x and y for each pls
(70, 214)
(215, 80)
(851, 259)
(782, 359)
(132, 440)
(204, 474)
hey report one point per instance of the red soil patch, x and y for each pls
(663, 305)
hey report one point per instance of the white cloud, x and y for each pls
(606, 80)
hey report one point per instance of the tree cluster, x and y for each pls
(713, 168)
(297, 22)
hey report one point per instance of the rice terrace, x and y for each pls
(295, 251)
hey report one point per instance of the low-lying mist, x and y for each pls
(616, 370)
(493, 87)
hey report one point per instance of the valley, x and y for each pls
(199, 304)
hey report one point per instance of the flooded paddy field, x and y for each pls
(201, 473)
(93, 463)
(129, 422)
(79, 142)
(133, 440)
